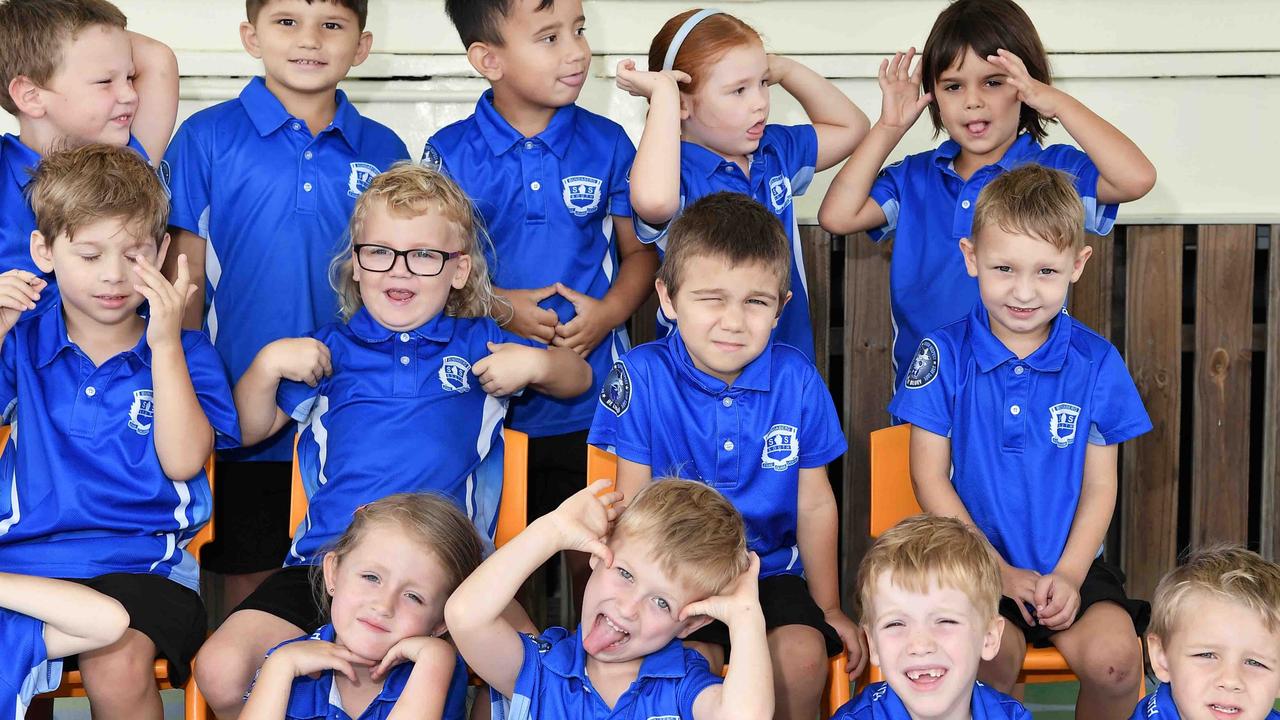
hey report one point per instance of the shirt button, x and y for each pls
(296, 126)
(1015, 410)
(307, 155)
(404, 359)
(1019, 370)
(535, 186)
(528, 146)
(91, 391)
(728, 445)
(404, 337)
(965, 204)
(306, 187)
(727, 402)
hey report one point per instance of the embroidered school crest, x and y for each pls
(781, 449)
(453, 374)
(141, 412)
(924, 366)
(362, 173)
(581, 194)
(431, 158)
(1062, 423)
(780, 193)
(615, 394)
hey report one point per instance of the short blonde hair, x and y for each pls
(34, 35)
(1225, 572)
(78, 187)
(1033, 200)
(924, 550)
(694, 534)
(410, 190)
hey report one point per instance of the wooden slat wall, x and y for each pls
(816, 246)
(1270, 544)
(1091, 296)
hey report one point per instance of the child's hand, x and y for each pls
(1044, 99)
(528, 319)
(304, 360)
(855, 642)
(778, 67)
(586, 518)
(1020, 585)
(308, 657)
(902, 102)
(421, 649)
(589, 326)
(167, 301)
(19, 292)
(643, 84)
(1057, 601)
(509, 369)
(738, 601)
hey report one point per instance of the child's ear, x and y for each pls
(664, 299)
(461, 273)
(1082, 257)
(1159, 660)
(873, 653)
(970, 257)
(991, 640)
(363, 48)
(486, 62)
(26, 95)
(329, 568)
(249, 39)
(781, 305)
(692, 624)
(686, 105)
(439, 630)
(41, 251)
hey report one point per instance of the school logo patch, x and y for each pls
(431, 159)
(362, 173)
(165, 173)
(582, 194)
(454, 373)
(615, 394)
(780, 193)
(1062, 423)
(781, 449)
(141, 412)
(924, 366)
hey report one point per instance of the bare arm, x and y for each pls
(193, 247)
(1093, 513)
(631, 477)
(817, 535)
(427, 689)
(298, 359)
(747, 691)
(655, 173)
(839, 123)
(595, 319)
(156, 81)
(558, 372)
(76, 618)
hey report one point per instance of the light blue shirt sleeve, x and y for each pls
(887, 193)
(8, 378)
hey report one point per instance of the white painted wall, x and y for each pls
(1196, 83)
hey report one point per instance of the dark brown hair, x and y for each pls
(359, 7)
(75, 188)
(33, 34)
(712, 37)
(481, 20)
(730, 226)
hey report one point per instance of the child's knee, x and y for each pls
(1112, 665)
(223, 669)
(124, 670)
(799, 652)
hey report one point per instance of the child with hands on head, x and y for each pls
(385, 582)
(984, 77)
(1214, 639)
(707, 130)
(669, 562)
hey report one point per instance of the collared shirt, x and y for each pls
(84, 494)
(928, 208)
(781, 168)
(553, 682)
(312, 698)
(17, 220)
(878, 701)
(1019, 428)
(1159, 705)
(549, 204)
(27, 670)
(748, 440)
(273, 204)
(401, 412)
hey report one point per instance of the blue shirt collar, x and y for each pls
(501, 137)
(437, 329)
(705, 161)
(20, 159)
(568, 659)
(1023, 146)
(755, 376)
(268, 114)
(990, 353)
(52, 338)
(313, 702)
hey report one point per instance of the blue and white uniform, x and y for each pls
(272, 202)
(553, 682)
(29, 670)
(549, 204)
(1159, 705)
(748, 440)
(313, 698)
(928, 208)
(401, 412)
(1019, 428)
(781, 169)
(82, 492)
(878, 701)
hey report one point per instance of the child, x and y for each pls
(263, 186)
(1215, 639)
(72, 74)
(386, 402)
(1019, 410)
(929, 591)
(42, 620)
(114, 414)
(386, 580)
(986, 82)
(675, 559)
(550, 180)
(720, 403)
(708, 89)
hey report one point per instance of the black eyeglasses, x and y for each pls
(420, 261)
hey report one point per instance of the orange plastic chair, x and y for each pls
(603, 465)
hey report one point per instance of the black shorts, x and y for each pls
(1103, 583)
(557, 469)
(784, 600)
(170, 615)
(251, 517)
(289, 595)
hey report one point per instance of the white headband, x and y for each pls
(670, 62)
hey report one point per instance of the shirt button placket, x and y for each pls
(535, 196)
(1017, 389)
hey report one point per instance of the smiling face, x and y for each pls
(1221, 661)
(728, 111)
(91, 97)
(929, 646)
(978, 108)
(306, 48)
(543, 60)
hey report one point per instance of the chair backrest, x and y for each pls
(601, 465)
(892, 497)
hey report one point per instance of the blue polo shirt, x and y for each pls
(1019, 428)
(553, 682)
(781, 168)
(928, 209)
(317, 697)
(273, 204)
(549, 203)
(17, 162)
(401, 412)
(84, 495)
(878, 701)
(1159, 705)
(748, 440)
(29, 670)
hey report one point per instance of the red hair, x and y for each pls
(705, 44)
